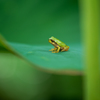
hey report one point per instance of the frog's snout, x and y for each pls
(49, 41)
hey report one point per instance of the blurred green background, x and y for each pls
(32, 22)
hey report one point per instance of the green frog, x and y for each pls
(58, 45)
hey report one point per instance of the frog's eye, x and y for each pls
(52, 41)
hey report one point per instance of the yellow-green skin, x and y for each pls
(59, 45)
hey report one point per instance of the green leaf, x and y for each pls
(40, 56)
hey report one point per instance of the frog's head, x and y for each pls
(52, 38)
(52, 41)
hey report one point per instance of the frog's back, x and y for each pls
(60, 43)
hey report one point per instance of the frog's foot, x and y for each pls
(55, 51)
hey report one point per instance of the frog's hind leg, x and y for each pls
(64, 49)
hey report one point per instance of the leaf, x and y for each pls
(40, 56)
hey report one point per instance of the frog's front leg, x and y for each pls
(56, 51)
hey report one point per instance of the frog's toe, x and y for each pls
(54, 52)
(51, 49)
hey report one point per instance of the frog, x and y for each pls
(58, 45)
